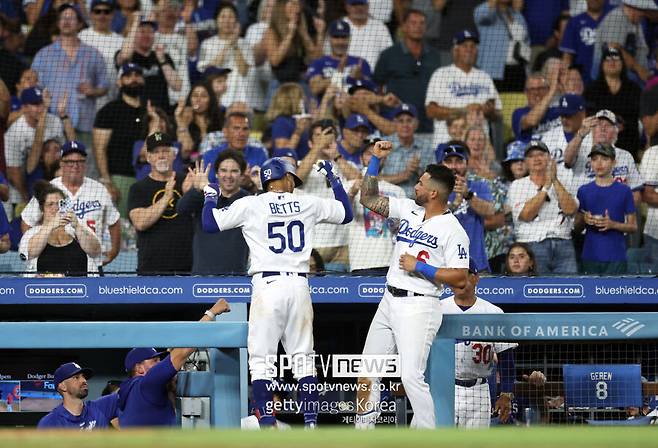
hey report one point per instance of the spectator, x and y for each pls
(224, 252)
(334, 69)
(457, 124)
(552, 45)
(612, 90)
(78, 80)
(118, 125)
(29, 78)
(571, 109)
(505, 44)
(650, 197)
(236, 130)
(607, 212)
(22, 137)
(461, 87)
(5, 242)
(180, 45)
(102, 38)
(356, 129)
(580, 37)
(60, 243)
(371, 236)
(158, 68)
(369, 36)
(481, 161)
(470, 201)
(289, 118)
(42, 31)
(543, 210)
(649, 114)
(538, 117)
(572, 82)
(289, 43)
(520, 260)
(365, 101)
(89, 199)
(404, 165)
(196, 117)
(228, 50)
(255, 38)
(405, 68)
(603, 127)
(217, 79)
(46, 167)
(434, 12)
(541, 18)
(164, 238)
(12, 67)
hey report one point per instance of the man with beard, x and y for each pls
(71, 383)
(118, 125)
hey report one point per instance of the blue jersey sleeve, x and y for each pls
(570, 37)
(516, 120)
(108, 405)
(154, 384)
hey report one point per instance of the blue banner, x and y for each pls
(327, 289)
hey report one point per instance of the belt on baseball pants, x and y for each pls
(273, 273)
(470, 383)
(397, 292)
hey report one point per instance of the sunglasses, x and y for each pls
(103, 11)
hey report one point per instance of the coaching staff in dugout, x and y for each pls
(144, 396)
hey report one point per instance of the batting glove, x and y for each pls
(211, 192)
(325, 168)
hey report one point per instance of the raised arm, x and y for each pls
(370, 197)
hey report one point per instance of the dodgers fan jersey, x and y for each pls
(473, 359)
(439, 241)
(279, 227)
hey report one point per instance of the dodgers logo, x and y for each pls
(408, 234)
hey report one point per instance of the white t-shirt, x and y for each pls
(262, 74)
(176, 47)
(279, 228)
(380, 9)
(18, 143)
(92, 205)
(649, 171)
(550, 222)
(107, 45)
(451, 87)
(439, 241)
(472, 358)
(371, 240)
(369, 40)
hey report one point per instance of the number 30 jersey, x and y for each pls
(474, 359)
(439, 241)
(279, 227)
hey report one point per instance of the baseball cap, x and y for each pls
(285, 152)
(406, 108)
(158, 139)
(129, 68)
(152, 23)
(472, 267)
(454, 149)
(536, 144)
(109, 3)
(214, 70)
(356, 84)
(356, 2)
(465, 35)
(356, 121)
(608, 115)
(33, 95)
(604, 149)
(66, 371)
(515, 151)
(611, 52)
(571, 104)
(339, 28)
(73, 146)
(75, 8)
(137, 355)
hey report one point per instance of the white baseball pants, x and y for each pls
(472, 406)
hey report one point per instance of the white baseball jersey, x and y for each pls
(439, 241)
(472, 358)
(92, 205)
(556, 142)
(279, 227)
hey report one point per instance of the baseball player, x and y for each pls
(431, 250)
(279, 227)
(474, 361)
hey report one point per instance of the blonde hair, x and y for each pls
(286, 101)
(279, 24)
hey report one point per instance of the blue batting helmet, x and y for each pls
(276, 168)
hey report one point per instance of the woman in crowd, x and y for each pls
(482, 160)
(263, 71)
(289, 118)
(199, 116)
(47, 167)
(520, 261)
(60, 244)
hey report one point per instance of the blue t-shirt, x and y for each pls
(95, 415)
(326, 66)
(579, 39)
(144, 400)
(617, 199)
(283, 126)
(550, 120)
(473, 223)
(254, 155)
(540, 15)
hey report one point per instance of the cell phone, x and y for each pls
(64, 206)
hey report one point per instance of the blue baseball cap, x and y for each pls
(109, 3)
(406, 108)
(571, 104)
(275, 169)
(33, 95)
(73, 146)
(129, 68)
(214, 70)
(137, 355)
(152, 23)
(356, 2)
(454, 149)
(465, 35)
(472, 267)
(356, 121)
(68, 370)
(356, 84)
(515, 151)
(285, 152)
(339, 28)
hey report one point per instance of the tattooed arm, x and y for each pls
(370, 197)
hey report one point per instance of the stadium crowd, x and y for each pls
(115, 113)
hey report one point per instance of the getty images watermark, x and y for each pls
(335, 366)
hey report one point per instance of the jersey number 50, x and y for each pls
(292, 238)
